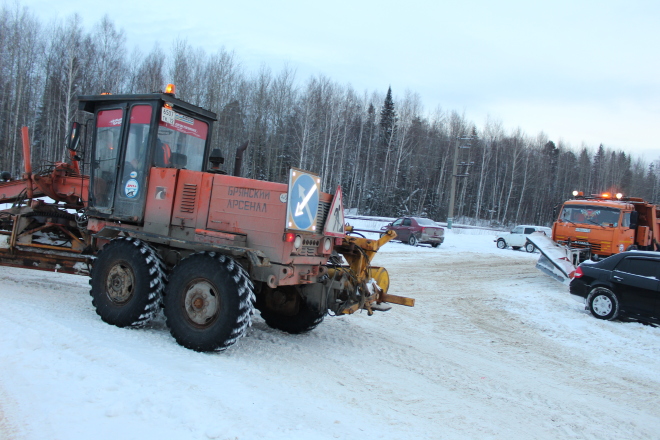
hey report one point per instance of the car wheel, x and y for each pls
(412, 241)
(501, 244)
(603, 303)
(529, 247)
(435, 245)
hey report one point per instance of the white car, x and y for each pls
(518, 237)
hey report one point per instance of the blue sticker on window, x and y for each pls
(131, 189)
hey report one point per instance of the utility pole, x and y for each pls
(462, 144)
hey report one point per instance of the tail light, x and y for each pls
(290, 237)
(578, 272)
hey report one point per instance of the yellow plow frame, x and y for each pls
(373, 282)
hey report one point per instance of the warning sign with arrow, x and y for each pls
(302, 200)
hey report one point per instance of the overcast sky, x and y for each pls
(579, 71)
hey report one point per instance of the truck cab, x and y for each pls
(605, 225)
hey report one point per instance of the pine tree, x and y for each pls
(388, 119)
(597, 170)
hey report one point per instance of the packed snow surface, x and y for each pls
(493, 349)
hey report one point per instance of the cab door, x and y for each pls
(105, 159)
(134, 167)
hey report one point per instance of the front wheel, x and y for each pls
(435, 245)
(501, 244)
(529, 247)
(209, 302)
(603, 303)
(127, 283)
(412, 241)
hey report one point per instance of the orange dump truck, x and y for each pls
(596, 227)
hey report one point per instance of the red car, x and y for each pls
(415, 230)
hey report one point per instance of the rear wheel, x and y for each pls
(603, 303)
(501, 244)
(127, 282)
(529, 247)
(209, 302)
(412, 241)
(435, 245)
(284, 309)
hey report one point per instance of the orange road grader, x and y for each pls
(147, 212)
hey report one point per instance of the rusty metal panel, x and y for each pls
(190, 196)
(252, 207)
(160, 200)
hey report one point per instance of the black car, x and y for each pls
(625, 284)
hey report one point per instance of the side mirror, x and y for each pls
(74, 137)
(216, 160)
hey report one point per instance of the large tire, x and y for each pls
(529, 247)
(412, 241)
(127, 282)
(501, 244)
(209, 302)
(603, 303)
(295, 320)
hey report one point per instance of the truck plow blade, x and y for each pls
(556, 260)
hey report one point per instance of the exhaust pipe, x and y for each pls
(27, 161)
(239, 158)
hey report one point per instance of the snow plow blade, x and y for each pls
(556, 260)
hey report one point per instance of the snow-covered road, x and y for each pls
(493, 349)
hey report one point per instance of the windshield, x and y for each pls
(595, 215)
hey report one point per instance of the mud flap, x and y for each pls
(556, 260)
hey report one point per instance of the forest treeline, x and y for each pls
(388, 154)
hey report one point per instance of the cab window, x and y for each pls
(625, 221)
(181, 144)
(106, 152)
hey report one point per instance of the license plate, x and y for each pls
(582, 230)
(168, 116)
